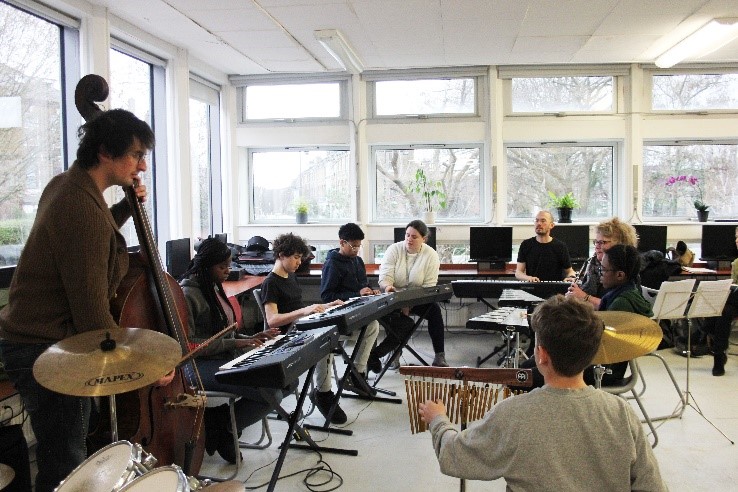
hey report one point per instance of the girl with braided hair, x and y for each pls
(209, 312)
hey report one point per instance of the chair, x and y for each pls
(213, 399)
(628, 384)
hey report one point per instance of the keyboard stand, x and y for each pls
(402, 345)
(366, 392)
(293, 428)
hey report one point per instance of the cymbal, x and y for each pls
(78, 365)
(626, 336)
(7, 475)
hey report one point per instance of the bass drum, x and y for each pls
(107, 470)
(163, 479)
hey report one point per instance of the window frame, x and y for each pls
(372, 181)
(686, 69)
(242, 83)
(251, 193)
(481, 91)
(619, 73)
(617, 178)
(214, 150)
(679, 143)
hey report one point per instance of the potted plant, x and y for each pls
(564, 204)
(699, 203)
(431, 195)
(301, 209)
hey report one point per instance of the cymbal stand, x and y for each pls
(113, 419)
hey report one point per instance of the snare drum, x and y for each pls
(107, 470)
(163, 479)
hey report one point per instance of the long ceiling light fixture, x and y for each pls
(335, 43)
(708, 38)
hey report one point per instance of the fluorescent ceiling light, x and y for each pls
(334, 42)
(708, 38)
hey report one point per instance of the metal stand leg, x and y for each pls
(687, 394)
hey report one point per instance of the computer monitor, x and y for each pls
(222, 237)
(179, 254)
(576, 238)
(490, 244)
(718, 243)
(651, 237)
(400, 236)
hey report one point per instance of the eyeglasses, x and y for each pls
(139, 156)
(601, 270)
(597, 242)
(352, 246)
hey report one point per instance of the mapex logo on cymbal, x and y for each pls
(115, 379)
(521, 376)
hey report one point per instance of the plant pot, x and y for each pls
(564, 215)
(301, 218)
(702, 215)
(429, 218)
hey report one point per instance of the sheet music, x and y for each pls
(709, 300)
(672, 299)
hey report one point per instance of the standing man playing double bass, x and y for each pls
(72, 263)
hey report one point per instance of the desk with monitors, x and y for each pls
(651, 237)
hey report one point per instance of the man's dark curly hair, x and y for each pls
(289, 244)
(112, 132)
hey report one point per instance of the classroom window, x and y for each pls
(32, 147)
(713, 166)
(284, 179)
(586, 171)
(694, 92)
(454, 171)
(588, 94)
(292, 101)
(205, 159)
(439, 97)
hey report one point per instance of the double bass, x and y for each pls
(167, 420)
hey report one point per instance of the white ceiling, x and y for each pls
(266, 36)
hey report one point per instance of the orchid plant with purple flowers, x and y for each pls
(694, 181)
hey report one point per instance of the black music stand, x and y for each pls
(708, 302)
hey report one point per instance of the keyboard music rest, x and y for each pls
(492, 289)
(279, 364)
(357, 312)
(414, 296)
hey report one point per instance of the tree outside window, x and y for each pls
(30, 122)
(693, 92)
(201, 167)
(563, 94)
(586, 171)
(714, 165)
(457, 169)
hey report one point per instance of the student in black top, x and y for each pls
(543, 257)
(282, 299)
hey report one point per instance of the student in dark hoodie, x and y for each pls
(344, 277)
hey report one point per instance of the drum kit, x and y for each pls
(106, 363)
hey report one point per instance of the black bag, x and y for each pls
(655, 269)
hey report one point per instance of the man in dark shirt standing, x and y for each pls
(542, 257)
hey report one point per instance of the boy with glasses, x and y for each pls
(344, 277)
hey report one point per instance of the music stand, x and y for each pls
(708, 302)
